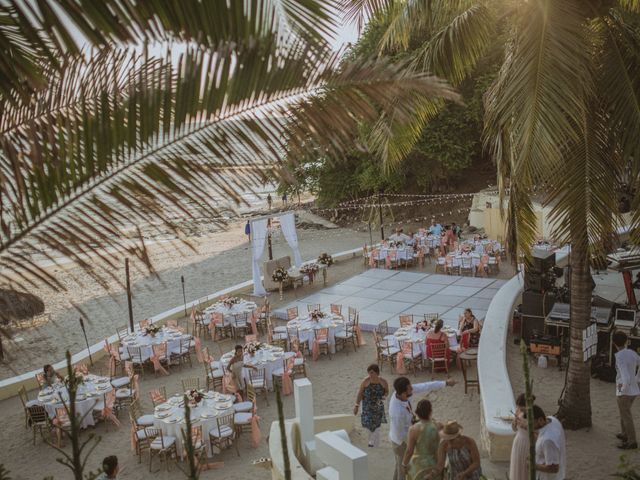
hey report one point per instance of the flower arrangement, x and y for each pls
(424, 325)
(316, 315)
(280, 275)
(396, 244)
(252, 347)
(194, 397)
(79, 378)
(151, 329)
(309, 269)
(325, 259)
(230, 301)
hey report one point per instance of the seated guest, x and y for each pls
(397, 237)
(469, 323)
(51, 377)
(435, 228)
(436, 333)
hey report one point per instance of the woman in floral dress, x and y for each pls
(372, 393)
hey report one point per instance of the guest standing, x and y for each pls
(373, 390)
(449, 239)
(247, 231)
(421, 455)
(628, 383)
(469, 323)
(269, 201)
(551, 456)
(435, 229)
(519, 465)
(110, 468)
(284, 199)
(401, 415)
(462, 453)
(236, 364)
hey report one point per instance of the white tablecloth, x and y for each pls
(269, 359)
(243, 306)
(306, 328)
(140, 339)
(90, 393)
(456, 260)
(169, 417)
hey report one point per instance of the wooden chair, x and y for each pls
(411, 355)
(198, 326)
(158, 395)
(139, 435)
(223, 436)
(164, 446)
(431, 317)
(293, 334)
(258, 381)
(336, 310)
(441, 265)
(40, 379)
(39, 420)
(183, 355)
(160, 351)
(406, 320)
(137, 360)
(313, 306)
(192, 383)
(144, 323)
(384, 352)
(214, 377)
(26, 403)
(199, 450)
(292, 313)
(262, 316)
(122, 332)
(346, 337)
(220, 328)
(466, 266)
(322, 338)
(242, 419)
(276, 339)
(240, 325)
(437, 354)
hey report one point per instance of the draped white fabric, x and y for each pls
(288, 227)
(258, 239)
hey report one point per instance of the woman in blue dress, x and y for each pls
(372, 393)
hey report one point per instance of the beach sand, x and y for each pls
(222, 261)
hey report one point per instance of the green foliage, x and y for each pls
(627, 470)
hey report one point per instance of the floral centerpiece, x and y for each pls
(194, 397)
(79, 379)
(230, 301)
(280, 275)
(325, 259)
(252, 347)
(316, 315)
(396, 244)
(424, 325)
(151, 330)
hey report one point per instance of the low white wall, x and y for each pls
(495, 387)
(10, 386)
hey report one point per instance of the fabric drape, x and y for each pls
(288, 227)
(258, 239)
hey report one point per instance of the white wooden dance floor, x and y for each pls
(381, 295)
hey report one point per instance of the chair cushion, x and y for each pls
(216, 374)
(167, 440)
(98, 406)
(120, 382)
(141, 434)
(145, 420)
(243, 407)
(279, 336)
(124, 393)
(224, 432)
(390, 351)
(279, 329)
(344, 334)
(242, 418)
(278, 372)
(215, 365)
(298, 361)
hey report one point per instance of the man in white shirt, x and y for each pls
(401, 415)
(627, 389)
(551, 453)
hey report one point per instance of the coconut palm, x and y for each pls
(560, 120)
(94, 142)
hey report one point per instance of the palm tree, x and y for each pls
(560, 119)
(96, 141)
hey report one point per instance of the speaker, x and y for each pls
(535, 282)
(537, 303)
(541, 262)
(531, 325)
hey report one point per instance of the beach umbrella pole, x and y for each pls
(184, 295)
(126, 272)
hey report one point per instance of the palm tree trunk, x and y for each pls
(575, 405)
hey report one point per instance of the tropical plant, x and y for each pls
(95, 142)
(560, 115)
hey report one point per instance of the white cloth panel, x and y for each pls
(258, 239)
(288, 227)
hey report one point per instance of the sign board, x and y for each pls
(589, 342)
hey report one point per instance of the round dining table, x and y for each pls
(169, 416)
(269, 358)
(228, 312)
(306, 327)
(89, 394)
(146, 341)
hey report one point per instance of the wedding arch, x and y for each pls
(259, 235)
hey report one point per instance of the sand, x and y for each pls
(223, 260)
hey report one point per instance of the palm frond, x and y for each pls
(158, 146)
(632, 6)
(538, 96)
(619, 80)
(39, 32)
(359, 11)
(454, 50)
(582, 190)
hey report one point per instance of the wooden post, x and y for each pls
(380, 212)
(126, 272)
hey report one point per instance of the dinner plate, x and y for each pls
(223, 406)
(102, 387)
(208, 414)
(162, 414)
(163, 407)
